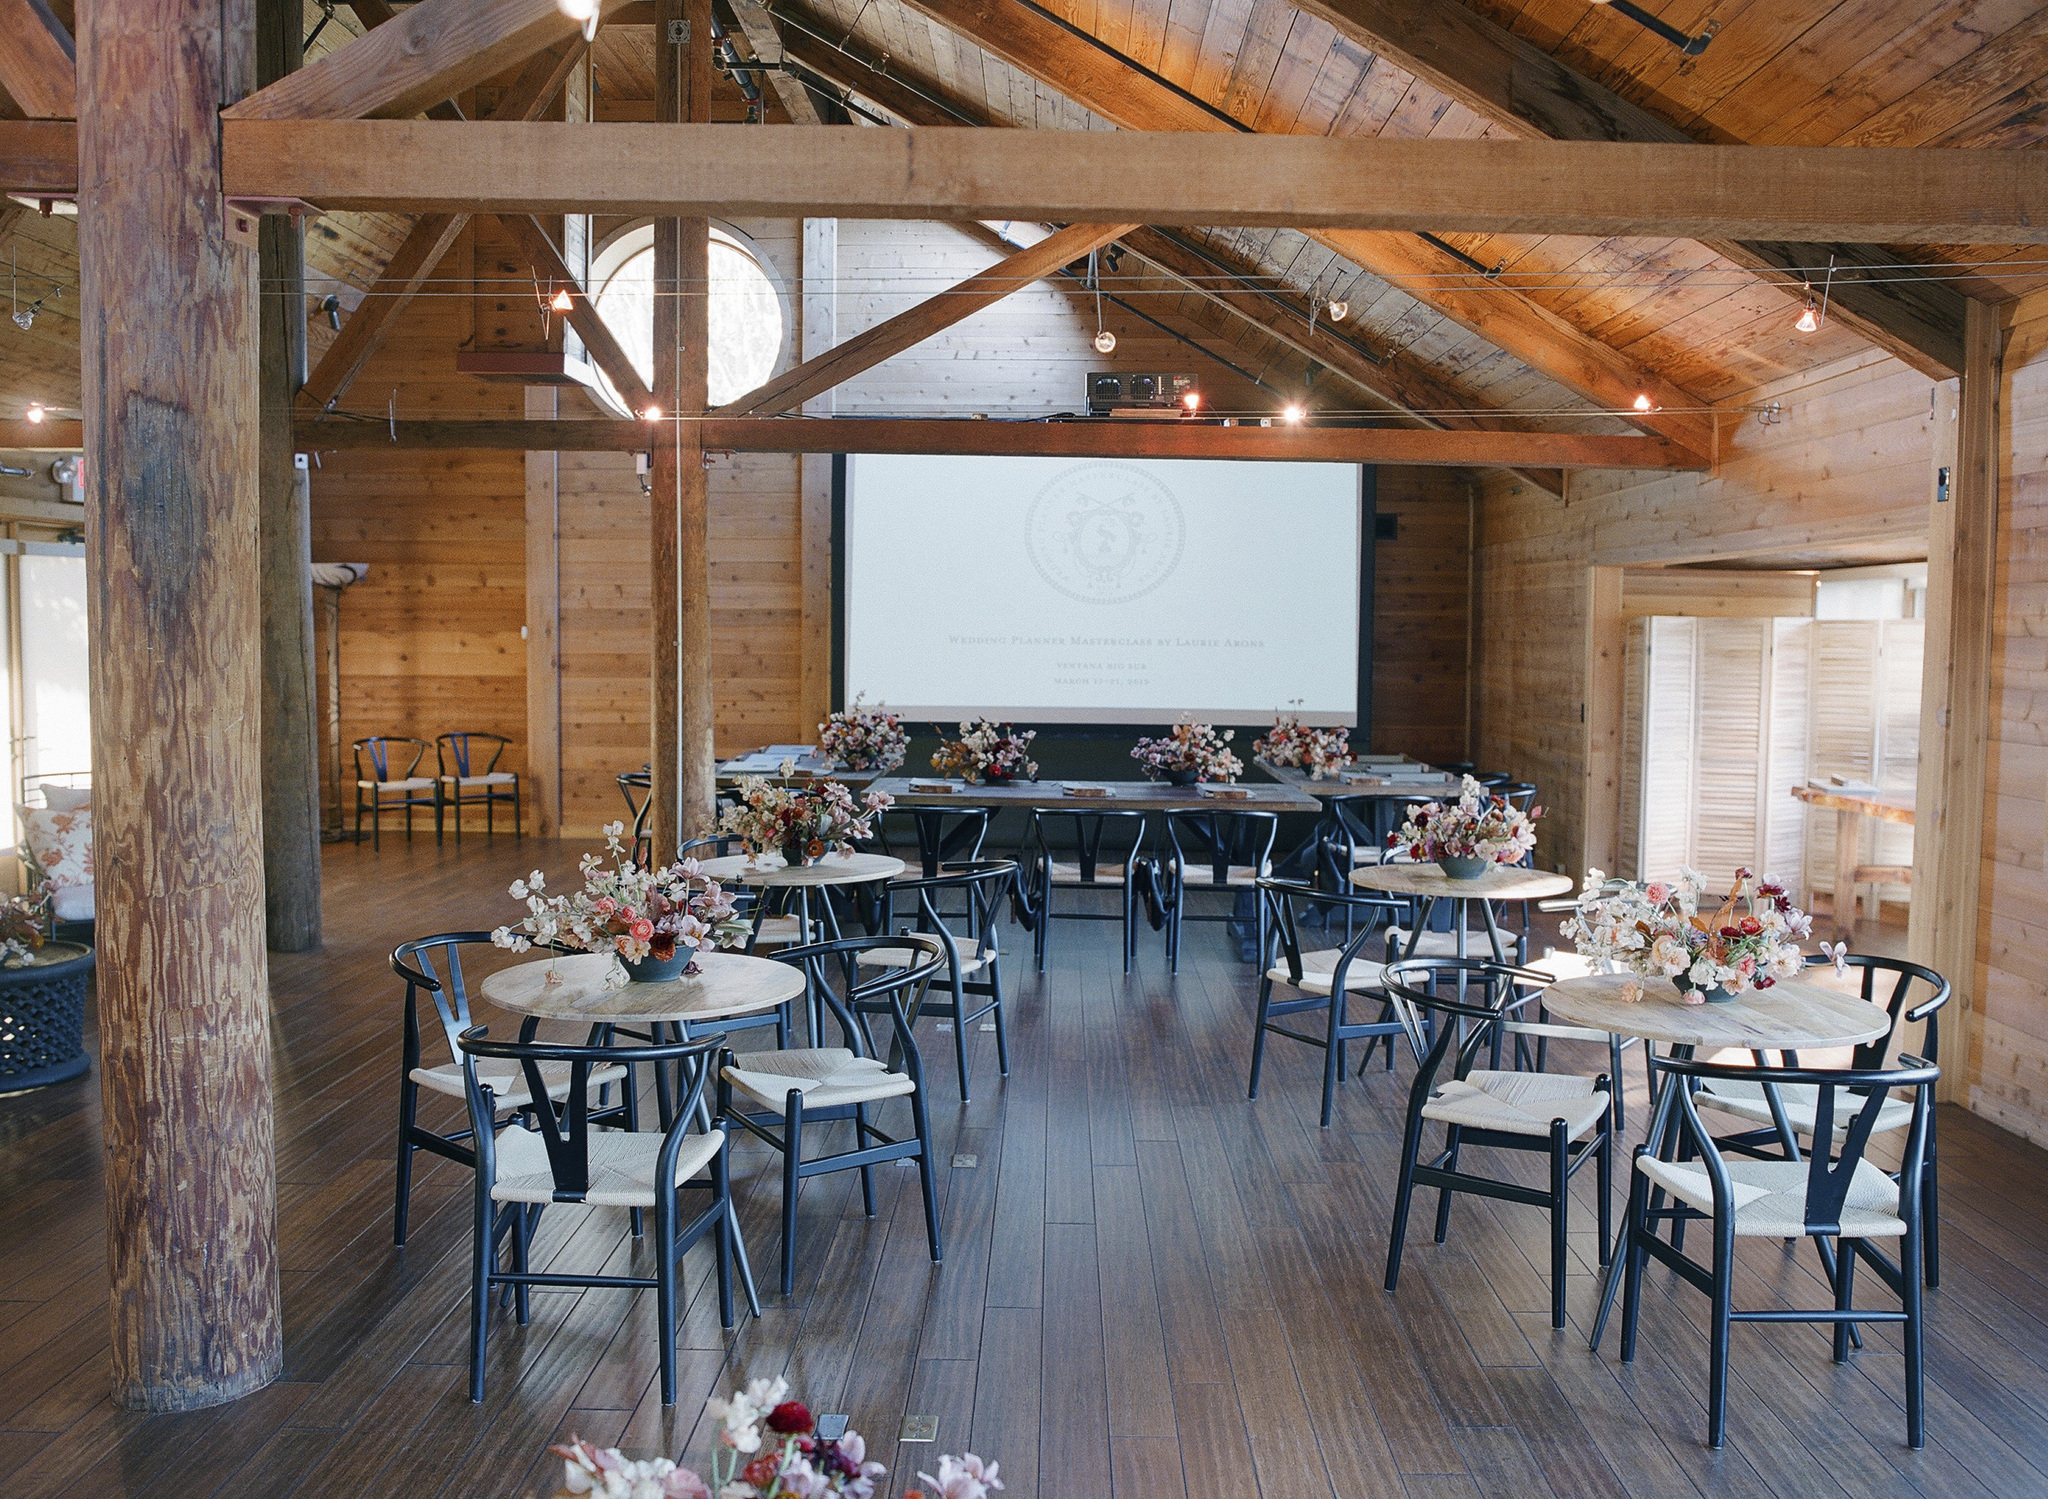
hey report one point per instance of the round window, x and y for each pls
(746, 313)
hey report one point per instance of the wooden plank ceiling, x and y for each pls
(1899, 72)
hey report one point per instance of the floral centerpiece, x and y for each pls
(1191, 752)
(1467, 835)
(654, 920)
(21, 929)
(767, 1447)
(803, 823)
(863, 738)
(1290, 742)
(1657, 930)
(987, 752)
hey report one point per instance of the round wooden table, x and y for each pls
(728, 984)
(769, 871)
(1429, 884)
(1788, 1016)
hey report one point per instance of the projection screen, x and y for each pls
(1101, 591)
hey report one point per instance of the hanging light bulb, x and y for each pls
(1339, 311)
(652, 414)
(35, 412)
(561, 301)
(1105, 341)
(1192, 401)
(584, 11)
(1809, 320)
(25, 317)
(1642, 403)
(1293, 415)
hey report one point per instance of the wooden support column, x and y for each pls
(683, 766)
(820, 332)
(1955, 700)
(544, 622)
(1606, 643)
(291, 748)
(169, 318)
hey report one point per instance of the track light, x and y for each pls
(1811, 316)
(1642, 403)
(1105, 341)
(331, 305)
(1338, 311)
(25, 317)
(561, 301)
(1192, 401)
(652, 414)
(1292, 415)
(35, 412)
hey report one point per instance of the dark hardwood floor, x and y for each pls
(1151, 1286)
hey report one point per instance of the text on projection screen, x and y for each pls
(1102, 590)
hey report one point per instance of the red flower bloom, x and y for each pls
(789, 1418)
(761, 1471)
(1751, 926)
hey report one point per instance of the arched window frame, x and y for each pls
(628, 240)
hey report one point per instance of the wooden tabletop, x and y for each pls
(729, 773)
(1127, 796)
(1886, 806)
(1789, 1015)
(770, 870)
(1389, 784)
(728, 984)
(1501, 882)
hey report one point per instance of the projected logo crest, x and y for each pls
(1105, 533)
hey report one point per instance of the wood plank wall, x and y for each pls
(1846, 464)
(1422, 589)
(2008, 1070)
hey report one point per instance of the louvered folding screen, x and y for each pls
(1866, 727)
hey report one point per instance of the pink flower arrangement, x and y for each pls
(768, 1448)
(1656, 930)
(803, 823)
(1190, 748)
(863, 738)
(634, 912)
(986, 751)
(1475, 826)
(1290, 742)
(610, 1474)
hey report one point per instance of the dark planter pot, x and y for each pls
(42, 1018)
(1180, 777)
(794, 856)
(1719, 994)
(659, 970)
(1463, 868)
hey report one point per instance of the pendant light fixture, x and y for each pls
(1105, 341)
(1811, 316)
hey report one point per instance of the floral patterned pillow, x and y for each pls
(62, 845)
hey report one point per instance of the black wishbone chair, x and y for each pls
(416, 962)
(1220, 850)
(973, 972)
(642, 807)
(1562, 1117)
(521, 1171)
(1786, 1111)
(1044, 872)
(808, 1085)
(1326, 979)
(944, 834)
(1846, 1198)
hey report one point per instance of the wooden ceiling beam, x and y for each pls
(801, 44)
(1309, 182)
(765, 38)
(426, 244)
(1059, 439)
(865, 350)
(433, 51)
(1510, 80)
(37, 60)
(1113, 86)
(39, 157)
(597, 336)
(1403, 383)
